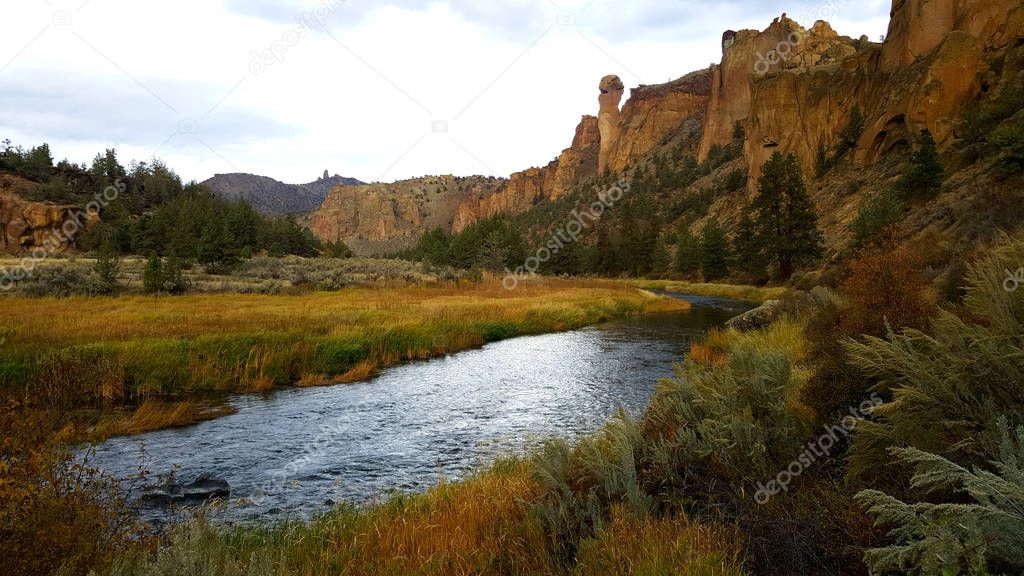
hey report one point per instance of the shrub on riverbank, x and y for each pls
(481, 526)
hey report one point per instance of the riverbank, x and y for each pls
(575, 509)
(161, 356)
(758, 294)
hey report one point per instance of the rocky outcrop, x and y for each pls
(748, 55)
(611, 88)
(790, 88)
(26, 226)
(375, 219)
(800, 92)
(652, 112)
(579, 161)
(378, 219)
(917, 27)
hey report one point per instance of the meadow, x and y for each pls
(160, 357)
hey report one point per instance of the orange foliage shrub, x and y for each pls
(884, 287)
(56, 514)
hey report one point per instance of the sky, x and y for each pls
(378, 91)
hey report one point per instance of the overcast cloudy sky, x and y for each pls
(373, 90)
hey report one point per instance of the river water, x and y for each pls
(297, 452)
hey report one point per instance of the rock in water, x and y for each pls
(203, 488)
(206, 487)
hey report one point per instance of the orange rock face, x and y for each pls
(26, 226)
(611, 88)
(380, 218)
(748, 55)
(790, 88)
(652, 112)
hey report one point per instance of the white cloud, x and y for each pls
(359, 96)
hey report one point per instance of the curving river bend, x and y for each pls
(297, 452)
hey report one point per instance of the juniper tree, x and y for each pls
(950, 387)
(714, 248)
(687, 252)
(784, 217)
(746, 247)
(953, 536)
(925, 175)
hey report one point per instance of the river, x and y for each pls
(297, 452)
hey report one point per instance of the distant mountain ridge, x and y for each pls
(273, 197)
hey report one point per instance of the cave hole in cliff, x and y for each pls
(892, 137)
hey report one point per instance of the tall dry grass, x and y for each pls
(481, 526)
(111, 352)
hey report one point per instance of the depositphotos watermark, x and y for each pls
(305, 24)
(818, 448)
(1014, 280)
(66, 234)
(784, 49)
(567, 234)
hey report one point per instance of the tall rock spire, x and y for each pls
(608, 118)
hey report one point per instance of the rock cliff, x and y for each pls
(26, 226)
(787, 87)
(382, 218)
(652, 112)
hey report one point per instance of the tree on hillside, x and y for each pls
(784, 217)
(925, 175)
(660, 260)
(714, 251)
(688, 255)
(746, 247)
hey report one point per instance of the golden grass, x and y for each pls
(480, 526)
(660, 547)
(733, 291)
(116, 351)
(154, 415)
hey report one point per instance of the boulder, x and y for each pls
(759, 317)
(203, 488)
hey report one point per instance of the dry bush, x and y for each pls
(883, 288)
(57, 515)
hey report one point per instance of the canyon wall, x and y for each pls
(651, 113)
(791, 89)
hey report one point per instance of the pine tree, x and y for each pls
(107, 267)
(688, 253)
(784, 217)
(714, 261)
(660, 261)
(822, 162)
(172, 279)
(925, 175)
(152, 275)
(747, 249)
(215, 250)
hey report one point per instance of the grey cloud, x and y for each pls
(511, 18)
(70, 107)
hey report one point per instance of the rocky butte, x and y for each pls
(787, 88)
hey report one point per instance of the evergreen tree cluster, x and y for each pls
(146, 209)
(490, 244)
